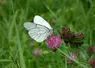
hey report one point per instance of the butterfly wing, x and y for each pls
(29, 25)
(37, 32)
(39, 20)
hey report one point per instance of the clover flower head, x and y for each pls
(37, 52)
(54, 42)
(74, 56)
(91, 49)
(92, 62)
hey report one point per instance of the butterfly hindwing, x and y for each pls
(39, 33)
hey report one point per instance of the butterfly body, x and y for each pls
(39, 30)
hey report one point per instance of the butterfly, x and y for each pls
(39, 30)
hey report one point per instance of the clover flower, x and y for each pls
(71, 37)
(91, 50)
(92, 62)
(74, 56)
(67, 35)
(37, 52)
(54, 42)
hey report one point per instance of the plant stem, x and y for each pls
(72, 59)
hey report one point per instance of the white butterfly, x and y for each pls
(39, 30)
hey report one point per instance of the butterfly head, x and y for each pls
(51, 31)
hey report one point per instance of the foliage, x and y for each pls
(16, 46)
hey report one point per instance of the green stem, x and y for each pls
(72, 59)
(65, 62)
(50, 10)
(21, 57)
(90, 37)
(5, 60)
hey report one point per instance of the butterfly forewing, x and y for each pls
(41, 21)
(29, 25)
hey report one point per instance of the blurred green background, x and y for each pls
(16, 46)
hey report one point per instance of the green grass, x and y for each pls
(16, 46)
